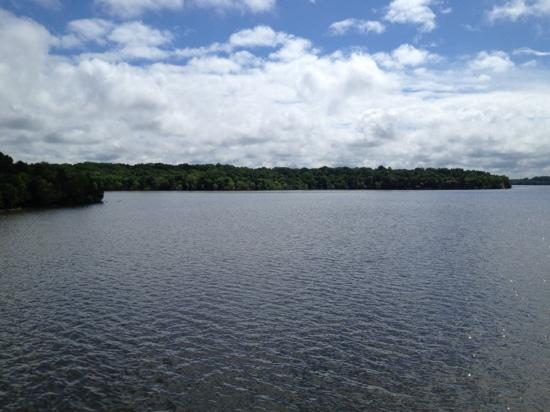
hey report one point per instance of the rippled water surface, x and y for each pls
(279, 301)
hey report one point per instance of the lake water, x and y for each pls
(279, 301)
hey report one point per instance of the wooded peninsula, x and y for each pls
(44, 185)
(48, 185)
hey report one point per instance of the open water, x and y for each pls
(300, 301)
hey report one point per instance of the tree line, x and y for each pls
(44, 185)
(158, 176)
(537, 181)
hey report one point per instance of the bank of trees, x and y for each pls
(44, 185)
(536, 181)
(224, 177)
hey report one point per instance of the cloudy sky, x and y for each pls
(403, 83)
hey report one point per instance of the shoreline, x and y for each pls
(44, 208)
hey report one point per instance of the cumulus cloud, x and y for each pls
(129, 40)
(260, 36)
(89, 30)
(140, 34)
(294, 106)
(360, 26)
(514, 10)
(405, 56)
(416, 12)
(135, 8)
(495, 61)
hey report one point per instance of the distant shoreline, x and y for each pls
(11, 211)
(218, 177)
(44, 185)
(298, 190)
(535, 181)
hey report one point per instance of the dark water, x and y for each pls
(279, 301)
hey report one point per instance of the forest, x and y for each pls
(537, 181)
(114, 177)
(44, 185)
(47, 185)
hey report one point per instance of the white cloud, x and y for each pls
(494, 61)
(360, 26)
(86, 30)
(405, 56)
(129, 40)
(137, 33)
(260, 36)
(514, 10)
(294, 49)
(408, 55)
(135, 8)
(530, 52)
(295, 107)
(254, 6)
(412, 12)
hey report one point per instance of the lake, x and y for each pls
(405, 300)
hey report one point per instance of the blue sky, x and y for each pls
(404, 83)
(462, 27)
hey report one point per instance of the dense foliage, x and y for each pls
(223, 177)
(538, 180)
(44, 185)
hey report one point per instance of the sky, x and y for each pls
(299, 83)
